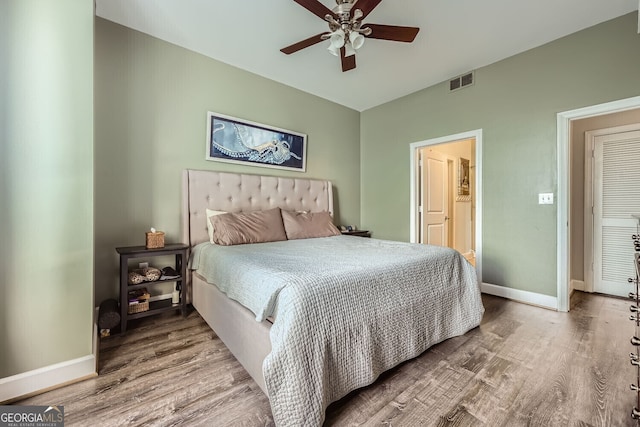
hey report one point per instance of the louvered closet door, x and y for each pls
(616, 197)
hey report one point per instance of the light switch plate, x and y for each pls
(545, 198)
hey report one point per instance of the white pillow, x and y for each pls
(211, 213)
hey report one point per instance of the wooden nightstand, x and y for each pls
(155, 307)
(359, 233)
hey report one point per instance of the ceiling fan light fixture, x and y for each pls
(335, 51)
(337, 38)
(349, 50)
(356, 40)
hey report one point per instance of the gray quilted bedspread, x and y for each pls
(347, 309)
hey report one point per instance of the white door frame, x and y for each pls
(414, 147)
(563, 138)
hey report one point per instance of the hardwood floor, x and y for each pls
(524, 366)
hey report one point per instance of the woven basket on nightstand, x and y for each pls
(138, 301)
(138, 307)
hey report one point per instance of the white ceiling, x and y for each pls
(455, 36)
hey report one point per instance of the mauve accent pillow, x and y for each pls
(306, 225)
(248, 227)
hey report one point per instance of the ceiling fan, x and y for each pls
(347, 32)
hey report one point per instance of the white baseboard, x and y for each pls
(576, 285)
(52, 376)
(526, 297)
(48, 377)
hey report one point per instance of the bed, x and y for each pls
(309, 332)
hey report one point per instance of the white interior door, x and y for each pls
(616, 197)
(434, 202)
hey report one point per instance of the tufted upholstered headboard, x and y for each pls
(234, 192)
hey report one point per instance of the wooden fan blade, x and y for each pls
(302, 44)
(315, 7)
(366, 6)
(348, 62)
(392, 32)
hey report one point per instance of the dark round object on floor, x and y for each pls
(109, 314)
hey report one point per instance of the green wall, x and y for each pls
(152, 98)
(46, 183)
(514, 102)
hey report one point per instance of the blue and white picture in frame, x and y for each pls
(234, 140)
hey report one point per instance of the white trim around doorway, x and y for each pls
(563, 138)
(414, 147)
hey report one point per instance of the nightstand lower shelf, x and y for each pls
(155, 307)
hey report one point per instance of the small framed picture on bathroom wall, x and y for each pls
(463, 177)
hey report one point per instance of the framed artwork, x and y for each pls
(463, 177)
(234, 140)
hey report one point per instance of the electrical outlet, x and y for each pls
(545, 198)
(143, 265)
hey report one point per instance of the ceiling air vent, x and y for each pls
(461, 81)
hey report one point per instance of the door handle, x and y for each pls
(446, 218)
